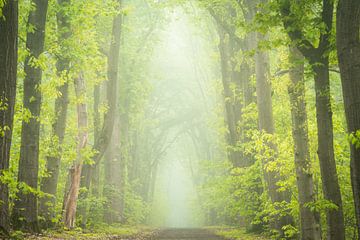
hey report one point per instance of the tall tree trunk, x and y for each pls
(71, 196)
(348, 49)
(309, 228)
(102, 142)
(50, 182)
(8, 77)
(266, 125)
(247, 71)
(85, 177)
(232, 136)
(114, 179)
(96, 176)
(319, 60)
(330, 183)
(25, 213)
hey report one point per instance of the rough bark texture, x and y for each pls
(102, 142)
(8, 69)
(309, 228)
(50, 182)
(266, 125)
(348, 46)
(319, 60)
(25, 208)
(70, 199)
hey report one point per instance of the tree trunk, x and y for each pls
(25, 208)
(319, 60)
(71, 196)
(96, 176)
(247, 70)
(114, 179)
(348, 46)
(49, 183)
(330, 183)
(266, 125)
(102, 142)
(309, 228)
(232, 136)
(8, 77)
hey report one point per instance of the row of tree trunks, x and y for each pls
(309, 225)
(50, 182)
(102, 142)
(348, 49)
(319, 60)
(238, 89)
(25, 212)
(71, 196)
(8, 77)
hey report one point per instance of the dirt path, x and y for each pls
(187, 234)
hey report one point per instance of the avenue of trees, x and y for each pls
(267, 124)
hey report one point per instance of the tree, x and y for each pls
(266, 126)
(348, 50)
(114, 176)
(71, 196)
(49, 183)
(309, 227)
(25, 208)
(266, 121)
(318, 58)
(104, 136)
(8, 77)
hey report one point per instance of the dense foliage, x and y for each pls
(238, 113)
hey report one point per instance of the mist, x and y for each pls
(179, 119)
(184, 82)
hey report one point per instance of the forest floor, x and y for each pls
(141, 233)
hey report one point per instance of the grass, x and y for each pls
(238, 234)
(99, 232)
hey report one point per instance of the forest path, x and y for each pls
(186, 234)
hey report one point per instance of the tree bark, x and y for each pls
(319, 60)
(8, 77)
(105, 134)
(309, 228)
(266, 125)
(25, 208)
(232, 137)
(348, 49)
(96, 173)
(71, 196)
(330, 183)
(50, 182)
(114, 178)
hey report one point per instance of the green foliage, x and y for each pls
(354, 139)
(238, 234)
(136, 209)
(229, 195)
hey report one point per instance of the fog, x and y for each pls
(184, 81)
(135, 115)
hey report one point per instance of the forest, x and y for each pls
(180, 119)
